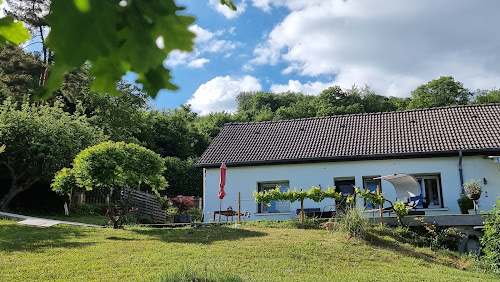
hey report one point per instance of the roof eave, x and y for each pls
(355, 158)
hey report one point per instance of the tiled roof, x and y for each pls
(379, 135)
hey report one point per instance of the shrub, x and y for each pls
(490, 242)
(309, 223)
(465, 204)
(145, 219)
(170, 214)
(401, 211)
(129, 219)
(195, 214)
(448, 238)
(84, 209)
(352, 222)
(183, 203)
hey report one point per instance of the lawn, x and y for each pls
(251, 253)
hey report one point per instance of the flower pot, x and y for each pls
(182, 218)
(474, 197)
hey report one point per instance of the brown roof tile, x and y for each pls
(379, 135)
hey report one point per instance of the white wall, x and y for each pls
(245, 179)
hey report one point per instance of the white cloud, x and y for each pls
(309, 88)
(220, 93)
(392, 45)
(228, 13)
(202, 35)
(206, 42)
(219, 46)
(198, 63)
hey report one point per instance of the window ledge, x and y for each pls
(273, 213)
(432, 209)
(420, 209)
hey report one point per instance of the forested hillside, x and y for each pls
(180, 134)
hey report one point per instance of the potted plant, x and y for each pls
(465, 204)
(473, 189)
(183, 204)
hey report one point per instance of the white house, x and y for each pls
(440, 147)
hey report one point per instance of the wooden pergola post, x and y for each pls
(239, 207)
(302, 212)
(381, 207)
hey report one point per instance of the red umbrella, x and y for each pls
(222, 183)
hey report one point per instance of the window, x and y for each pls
(276, 206)
(370, 184)
(344, 185)
(430, 186)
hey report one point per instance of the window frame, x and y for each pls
(365, 186)
(268, 185)
(423, 189)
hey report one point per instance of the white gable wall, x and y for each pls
(244, 179)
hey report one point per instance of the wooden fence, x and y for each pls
(146, 204)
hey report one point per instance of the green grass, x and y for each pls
(251, 253)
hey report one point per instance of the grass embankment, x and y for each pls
(251, 253)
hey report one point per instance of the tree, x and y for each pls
(119, 117)
(209, 127)
(335, 101)
(171, 133)
(441, 92)
(109, 167)
(183, 178)
(487, 96)
(32, 13)
(19, 73)
(39, 141)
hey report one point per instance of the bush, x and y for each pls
(352, 222)
(448, 238)
(309, 223)
(195, 214)
(465, 204)
(145, 219)
(490, 242)
(129, 219)
(85, 209)
(183, 203)
(170, 214)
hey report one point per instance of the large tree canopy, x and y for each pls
(39, 141)
(110, 167)
(441, 92)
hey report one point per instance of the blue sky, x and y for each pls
(238, 37)
(307, 46)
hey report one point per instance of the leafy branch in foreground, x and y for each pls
(115, 37)
(12, 32)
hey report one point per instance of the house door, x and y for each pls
(346, 187)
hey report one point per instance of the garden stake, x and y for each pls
(302, 212)
(239, 207)
(379, 192)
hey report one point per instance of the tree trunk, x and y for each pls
(15, 189)
(8, 198)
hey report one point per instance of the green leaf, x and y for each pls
(82, 5)
(115, 40)
(12, 32)
(228, 3)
